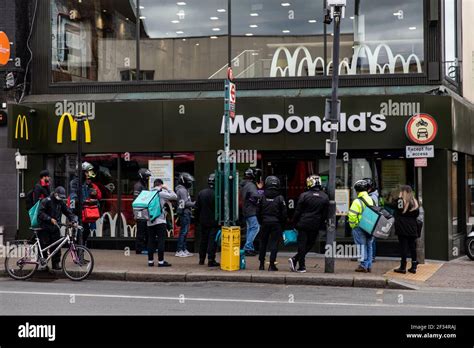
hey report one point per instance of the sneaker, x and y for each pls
(151, 263)
(164, 264)
(292, 263)
(361, 269)
(187, 253)
(272, 268)
(213, 263)
(301, 270)
(179, 254)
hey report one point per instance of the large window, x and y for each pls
(187, 40)
(451, 56)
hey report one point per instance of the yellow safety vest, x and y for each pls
(355, 212)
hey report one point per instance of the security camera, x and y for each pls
(335, 6)
(336, 3)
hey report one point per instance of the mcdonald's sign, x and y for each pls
(73, 126)
(22, 125)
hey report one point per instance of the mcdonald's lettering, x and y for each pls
(22, 122)
(73, 126)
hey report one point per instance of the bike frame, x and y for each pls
(61, 242)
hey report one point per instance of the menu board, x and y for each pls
(162, 169)
(342, 201)
(393, 174)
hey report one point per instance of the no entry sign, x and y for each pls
(232, 99)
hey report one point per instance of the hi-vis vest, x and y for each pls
(355, 212)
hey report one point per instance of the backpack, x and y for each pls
(30, 199)
(376, 221)
(33, 212)
(147, 206)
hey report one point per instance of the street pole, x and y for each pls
(79, 119)
(336, 12)
(420, 242)
(227, 128)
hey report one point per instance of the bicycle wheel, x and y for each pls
(77, 263)
(22, 260)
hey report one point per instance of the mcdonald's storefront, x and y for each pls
(284, 136)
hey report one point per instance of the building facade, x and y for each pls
(150, 74)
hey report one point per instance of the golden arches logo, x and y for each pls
(73, 126)
(23, 123)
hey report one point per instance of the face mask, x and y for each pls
(57, 197)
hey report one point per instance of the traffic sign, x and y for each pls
(420, 151)
(421, 162)
(421, 129)
(232, 99)
(230, 74)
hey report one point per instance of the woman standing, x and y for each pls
(406, 227)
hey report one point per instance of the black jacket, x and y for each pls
(405, 223)
(271, 208)
(138, 188)
(250, 197)
(40, 192)
(205, 208)
(311, 210)
(51, 208)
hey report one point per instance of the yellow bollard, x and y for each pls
(230, 248)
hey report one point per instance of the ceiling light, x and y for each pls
(216, 29)
(351, 17)
(184, 39)
(254, 14)
(127, 19)
(142, 17)
(175, 21)
(312, 21)
(221, 10)
(214, 18)
(181, 3)
(142, 7)
(180, 32)
(249, 34)
(412, 28)
(286, 31)
(285, 4)
(104, 11)
(197, 44)
(253, 26)
(213, 37)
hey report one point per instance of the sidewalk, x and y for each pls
(116, 265)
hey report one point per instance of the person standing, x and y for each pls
(250, 197)
(361, 238)
(310, 216)
(157, 227)
(51, 210)
(205, 213)
(374, 194)
(42, 187)
(185, 204)
(406, 228)
(272, 214)
(142, 234)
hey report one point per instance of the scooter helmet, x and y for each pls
(361, 185)
(370, 184)
(313, 181)
(144, 173)
(186, 179)
(272, 182)
(250, 174)
(88, 170)
(211, 180)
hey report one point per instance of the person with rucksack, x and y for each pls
(362, 239)
(272, 214)
(374, 194)
(204, 210)
(40, 191)
(407, 228)
(157, 228)
(144, 175)
(50, 212)
(185, 204)
(310, 217)
(249, 196)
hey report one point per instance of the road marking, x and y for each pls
(198, 299)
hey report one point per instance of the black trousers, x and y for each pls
(47, 237)
(305, 240)
(142, 236)
(270, 235)
(407, 247)
(207, 243)
(156, 235)
(84, 235)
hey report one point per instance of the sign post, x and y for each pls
(421, 129)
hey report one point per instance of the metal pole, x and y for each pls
(420, 242)
(79, 121)
(227, 130)
(331, 228)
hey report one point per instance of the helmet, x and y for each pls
(272, 182)
(211, 180)
(186, 179)
(361, 185)
(370, 184)
(313, 181)
(250, 173)
(144, 173)
(86, 166)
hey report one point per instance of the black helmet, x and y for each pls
(144, 173)
(370, 184)
(272, 182)
(313, 181)
(250, 174)
(186, 179)
(211, 180)
(361, 185)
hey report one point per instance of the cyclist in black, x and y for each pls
(50, 213)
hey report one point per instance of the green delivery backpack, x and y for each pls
(147, 206)
(33, 213)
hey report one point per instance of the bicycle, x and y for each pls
(26, 256)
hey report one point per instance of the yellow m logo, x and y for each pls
(73, 126)
(23, 123)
